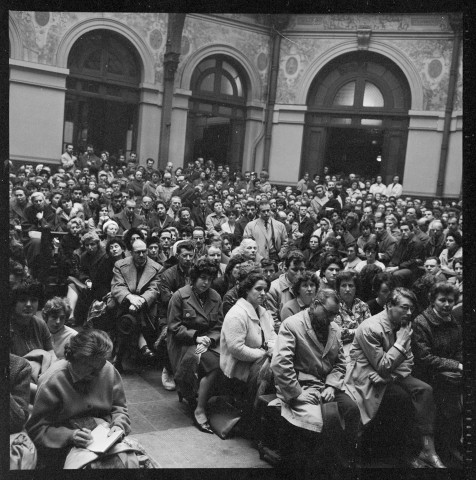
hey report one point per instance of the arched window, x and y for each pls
(217, 111)
(357, 116)
(102, 92)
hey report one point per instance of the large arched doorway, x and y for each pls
(357, 120)
(216, 118)
(102, 93)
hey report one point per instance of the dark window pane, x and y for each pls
(345, 96)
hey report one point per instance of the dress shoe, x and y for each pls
(167, 380)
(203, 427)
(432, 460)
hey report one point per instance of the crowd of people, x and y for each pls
(339, 289)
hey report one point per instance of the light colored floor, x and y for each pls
(163, 426)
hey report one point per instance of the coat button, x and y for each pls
(187, 314)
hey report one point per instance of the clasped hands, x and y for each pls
(136, 302)
(203, 343)
(327, 395)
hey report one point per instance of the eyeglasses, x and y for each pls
(328, 313)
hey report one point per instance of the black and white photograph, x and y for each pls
(236, 241)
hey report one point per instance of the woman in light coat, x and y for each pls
(247, 336)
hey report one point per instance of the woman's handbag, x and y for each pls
(223, 416)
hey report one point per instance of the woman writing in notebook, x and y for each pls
(74, 396)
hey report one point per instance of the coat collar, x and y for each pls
(187, 294)
(148, 273)
(251, 312)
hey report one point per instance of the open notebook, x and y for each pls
(101, 442)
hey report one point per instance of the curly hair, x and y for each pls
(306, 277)
(56, 305)
(203, 267)
(328, 261)
(127, 237)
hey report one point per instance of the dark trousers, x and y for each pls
(421, 396)
(406, 413)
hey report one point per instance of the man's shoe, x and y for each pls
(431, 459)
(167, 380)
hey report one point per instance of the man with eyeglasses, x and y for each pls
(308, 364)
(379, 379)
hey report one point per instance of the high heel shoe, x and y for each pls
(203, 427)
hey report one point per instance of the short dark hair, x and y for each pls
(202, 267)
(295, 256)
(328, 261)
(128, 236)
(249, 282)
(114, 240)
(380, 279)
(370, 247)
(27, 288)
(266, 262)
(184, 246)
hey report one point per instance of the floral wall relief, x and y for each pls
(255, 46)
(432, 59)
(297, 54)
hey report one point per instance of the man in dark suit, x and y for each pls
(200, 213)
(128, 218)
(90, 160)
(306, 227)
(134, 294)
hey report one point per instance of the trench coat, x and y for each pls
(187, 319)
(300, 358)
(373, 350)
(124, 282)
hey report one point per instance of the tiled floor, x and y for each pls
(163, 426)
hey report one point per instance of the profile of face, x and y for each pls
(383, 293)
(450, 242)
(257, 294)
(226, 246)
(458, 268)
